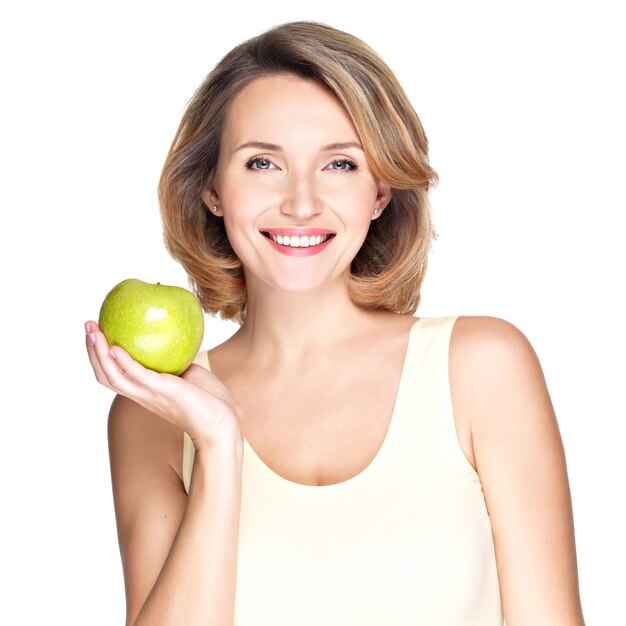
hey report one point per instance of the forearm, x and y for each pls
(197, 582)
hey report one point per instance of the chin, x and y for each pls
(303, 282)
(298, 282)
(299, 285)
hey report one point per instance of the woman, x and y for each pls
(337, 460)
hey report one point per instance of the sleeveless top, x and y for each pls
(407, 541)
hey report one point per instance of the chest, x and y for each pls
(321, 426)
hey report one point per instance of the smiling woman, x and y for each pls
(337, 460)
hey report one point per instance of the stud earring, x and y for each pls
(214, 209)
(376, 211)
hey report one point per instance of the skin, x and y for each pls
(290, 347)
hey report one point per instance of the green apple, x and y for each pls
(160, 326)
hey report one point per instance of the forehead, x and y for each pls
(287, 106)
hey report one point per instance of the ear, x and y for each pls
(384, 194)
(211, 198)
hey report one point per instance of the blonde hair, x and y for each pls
(388, 271)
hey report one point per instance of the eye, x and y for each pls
(259, 164)
(343, 165)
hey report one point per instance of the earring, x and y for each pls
(376, 211)
(214, 209)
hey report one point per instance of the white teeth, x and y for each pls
(305, 241)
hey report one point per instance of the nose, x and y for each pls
(301, 199)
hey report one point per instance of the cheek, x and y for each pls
(359, 209)
(238, 205)
(360, 195)
(235, 233)
(244, 199)
(239, 226)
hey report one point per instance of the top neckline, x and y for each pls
(251, 454)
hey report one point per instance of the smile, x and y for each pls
(305, 241)
(298, 242)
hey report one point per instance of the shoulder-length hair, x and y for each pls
(388, 271)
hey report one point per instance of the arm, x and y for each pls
(500, 391)
(178, 552)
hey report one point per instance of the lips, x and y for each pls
(298, 241)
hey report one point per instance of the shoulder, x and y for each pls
(499, 393)
(496, 383)
(488, 350)
(137, 437)
(482, 336)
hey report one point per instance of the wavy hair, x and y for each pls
(388, 271)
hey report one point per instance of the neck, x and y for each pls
(287, 328)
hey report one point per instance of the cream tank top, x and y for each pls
(407, 541)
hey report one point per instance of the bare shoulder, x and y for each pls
(138, 436)
(487, 352)
(483, 337)
(493, 368)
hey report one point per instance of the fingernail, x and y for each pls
(92, 338)
(87, 327)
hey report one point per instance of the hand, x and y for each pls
(196, 401)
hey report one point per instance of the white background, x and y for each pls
(523, 105)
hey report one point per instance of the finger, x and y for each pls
(155, 391)
(90, 341)
(134, 370)
(115, 368)
(111, 371)
(119, 371)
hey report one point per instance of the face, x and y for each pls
(292, 185)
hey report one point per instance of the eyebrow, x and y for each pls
(261, 145)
